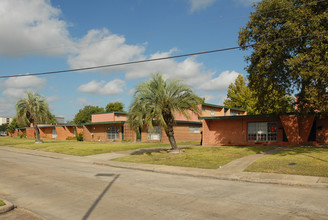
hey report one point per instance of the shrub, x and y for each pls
(69, 138)
(23, 135)
(126, 140)
(79, 137)
(2, 203)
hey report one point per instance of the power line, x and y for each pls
(158, 59)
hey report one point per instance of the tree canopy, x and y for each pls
(240, 96)
(159, 99)
(33, 109)
(84, 115)
(115, 107)
(288, 55)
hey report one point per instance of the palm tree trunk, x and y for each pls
(37, 134)
(170, 135)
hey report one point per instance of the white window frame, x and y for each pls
(54, 133)
(194, 129)
(262, 132)
(113, 133)
(154, 134)
(212, 112)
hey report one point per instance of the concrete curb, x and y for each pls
(6, 208)
(265, 178)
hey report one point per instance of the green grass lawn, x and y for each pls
(200, 157)
(78, 148)
(310, 161)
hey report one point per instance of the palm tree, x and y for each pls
(159, 99)
(33, 109)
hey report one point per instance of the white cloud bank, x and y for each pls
(28, 27)
(220, 83)
(15, 88)
(197, 5)
(113, 87)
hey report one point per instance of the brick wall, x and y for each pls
(99, 132)
(234, 131)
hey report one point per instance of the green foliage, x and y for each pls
(79, 137)
(279, 69)
(115, 107)
(69, 138)
(159, 99)
(240, 96)
(33, 109)
(3, 127)
(84, 115)
(2, 203)
(23, 135)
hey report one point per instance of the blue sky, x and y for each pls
(49, 35)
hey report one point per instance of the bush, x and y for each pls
(23, 135)
(70, 138)
(2, 203)
(79, 137)
(126, 140)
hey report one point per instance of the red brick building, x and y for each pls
(264, 129)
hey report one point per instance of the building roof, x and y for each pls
(238, 117)
(124, 113)
(221, 106)
(105, 122)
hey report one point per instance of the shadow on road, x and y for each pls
(86, 216)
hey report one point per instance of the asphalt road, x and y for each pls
(66, 189)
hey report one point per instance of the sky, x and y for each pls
(50, 35)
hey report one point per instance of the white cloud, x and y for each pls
(197, 5)
(221, 82)
(51, 99)
(113, 87)
(81, 101)
(30, 27)
(15, 88)
(247, 2)
(100, 47)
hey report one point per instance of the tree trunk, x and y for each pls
(170, 135)
(37, 134)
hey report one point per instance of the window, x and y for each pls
(74, 132)
(212, 111)
(54, 133)
(204, 109)
(194, 129)
(112, 133)
(155, 133)
(234, 113)
(262, 131)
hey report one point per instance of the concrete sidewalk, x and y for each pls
(231, 171)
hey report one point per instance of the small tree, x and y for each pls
(240, 96)
(159, 99)
(84, 115)
(115, 107)
(33, 109)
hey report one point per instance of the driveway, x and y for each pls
(76, 189)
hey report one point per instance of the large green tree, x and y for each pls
(84, 115)
(115, 107)
(288, 54)
(33, 109)
(159, 99)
